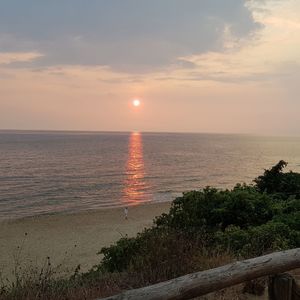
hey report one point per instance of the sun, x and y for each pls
(136, 102)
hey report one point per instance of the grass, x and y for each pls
(49, 281)
(46, 283)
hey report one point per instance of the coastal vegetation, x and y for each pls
(202, 230)
(246, 221)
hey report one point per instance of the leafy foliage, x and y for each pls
(211, 209)
(275, 181)
(247, 221)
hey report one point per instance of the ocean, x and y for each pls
(67, 172)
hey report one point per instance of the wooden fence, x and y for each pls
(201, 283)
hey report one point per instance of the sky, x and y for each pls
(197, 66)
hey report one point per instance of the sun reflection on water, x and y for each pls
(135, 185)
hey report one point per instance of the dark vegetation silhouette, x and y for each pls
(274, 181)
(203, 229)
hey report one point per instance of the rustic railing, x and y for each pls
(202, 283)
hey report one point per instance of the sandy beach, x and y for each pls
(69, 239)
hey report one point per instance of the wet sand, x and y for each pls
(69, 239)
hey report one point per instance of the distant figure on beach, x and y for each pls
(126, 212)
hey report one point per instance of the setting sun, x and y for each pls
(136, 102)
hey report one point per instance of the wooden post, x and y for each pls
(296, 291)
(280, 287)
(201, 283)
(283, 287)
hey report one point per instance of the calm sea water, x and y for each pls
(51, 172)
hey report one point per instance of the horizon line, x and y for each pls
(143, 131)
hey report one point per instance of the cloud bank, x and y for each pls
(131, 35)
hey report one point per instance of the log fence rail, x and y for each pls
(281, 287)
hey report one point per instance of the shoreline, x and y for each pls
(80, 212)
(70, 239)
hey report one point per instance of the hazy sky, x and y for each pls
(199, 66)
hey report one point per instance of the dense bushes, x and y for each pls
(211, 209)
(275, 181)
(246, 221)
(255, 241)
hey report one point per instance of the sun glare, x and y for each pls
(136, 102)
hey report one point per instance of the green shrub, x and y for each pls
(275, 181)
(211, 209)
(117, 257)
(257, 240)
(156, 250)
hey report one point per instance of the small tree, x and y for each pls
(274, 181)
(271, 179)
